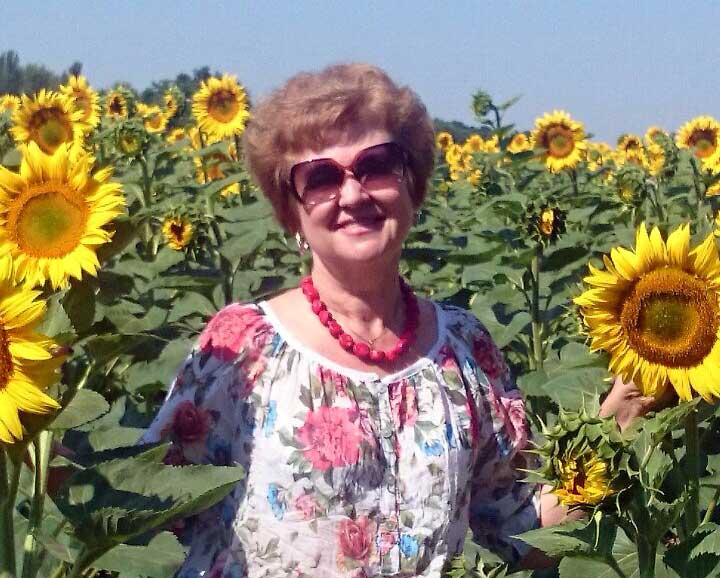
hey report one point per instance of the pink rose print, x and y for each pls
(175, 457)
(307, 505)
(488, 357)
(190, 424)
(329, 376)
(514, 417)
(331, 437)
(447, 358)
(355, 538)
(228, 330)
(386, 541)
(403, 403)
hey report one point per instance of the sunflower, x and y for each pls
(474, 144)
(220, 107)
(583, 480)
(443, 140)
(116, 104)
(170, 100)
(52, 213)
(178, 232)
(597, 155)
(653, 137)
(86, 100)
(176, 135)
(213, 169)
(155, 120)
(630, 149)
(561, 139)
(519, 144)
(27, 365)
(9, 103)
(656, 311)
(48, 119)
(701, 136)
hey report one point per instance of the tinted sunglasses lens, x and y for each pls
(379, 165)
(318, 181)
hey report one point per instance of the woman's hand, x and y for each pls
(626, 402)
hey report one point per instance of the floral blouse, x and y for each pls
(348, 474)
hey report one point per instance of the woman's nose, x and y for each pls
(351, 191)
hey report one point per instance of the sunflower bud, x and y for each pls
(131, 139)
(545, 224)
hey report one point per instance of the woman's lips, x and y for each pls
(361, 225)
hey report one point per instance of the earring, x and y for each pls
(301, 243)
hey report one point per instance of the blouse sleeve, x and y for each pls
(501, 504)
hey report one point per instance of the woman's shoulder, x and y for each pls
(460, 322)
(236, 329)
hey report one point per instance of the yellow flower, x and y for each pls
(597, 155)
(651, 137)
(154, 119)
(213, 169)
(700, 135)
(220, 107)
(443, 140)
(519, 143)
(491, 145)
(631, 150)
(561, 139)
(453, 154)
(49, 119)
(116, 105)
(583, 480)
(474, 144)
(86, 100)
(52, 215)
(655, 310)
(27, 366)
(9, 103)
(176, 135)
(178, 232)
(171, 104)
(475, 177)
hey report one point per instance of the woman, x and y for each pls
(375, 426)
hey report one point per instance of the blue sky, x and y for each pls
(617, 66)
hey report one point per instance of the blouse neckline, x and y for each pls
(354, 374)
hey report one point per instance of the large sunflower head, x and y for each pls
(178, 232)
(116, 104)
(86, 100)
(561, 140)
(220, 107)
(655, 310)
(27, 363)
(52, 215)
(584, 480)
(700, 135)
(49, 119)
(9, 103)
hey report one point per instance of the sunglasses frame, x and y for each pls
(345, 168)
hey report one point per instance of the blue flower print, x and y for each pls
(408, 545)
(434, 448)
(270, 419)
(277, 506)
(450, 436)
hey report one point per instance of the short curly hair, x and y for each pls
(312, 110)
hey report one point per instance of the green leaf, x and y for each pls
(86, 406)
(571, 538)
(710, 543)
(162, 556)
(79, 305)
(191, 303)
(160, 370)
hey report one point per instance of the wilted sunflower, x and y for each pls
(27, 366)
(155, 120)
(656, 311)
(48, 119)
(86, 100)
(9, 103)
(547, 223)
(561, 139)
(178, 232)
(519, 144)
(52, 213)
(583, 480)
(701, 136)
(220, 107)
(213, 168)
(116, 104)
(443, 140)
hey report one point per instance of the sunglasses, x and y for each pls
(376, 168)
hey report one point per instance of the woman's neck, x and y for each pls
(366, 304)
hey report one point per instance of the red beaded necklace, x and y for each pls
(359, 348)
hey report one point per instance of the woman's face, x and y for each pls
(362, 224)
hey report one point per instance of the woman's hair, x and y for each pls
(313, 110)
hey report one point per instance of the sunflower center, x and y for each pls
(48, 223)
(703, 143)
(559, 141)
(155, 122)
(214, 172)
(223, 106)
(50, 129)
(177, 230)
(6, 363)
(671, 318)
(116, 106)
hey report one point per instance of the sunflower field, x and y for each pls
(124, 225)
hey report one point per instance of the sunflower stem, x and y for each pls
(84, 559)
(537, 321)
(692, 455)
(43, 445)
(9, 481)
